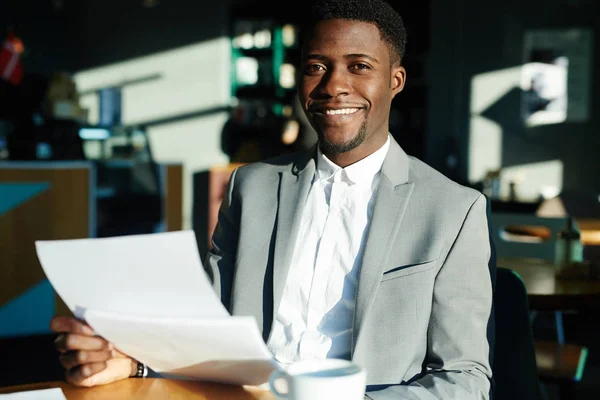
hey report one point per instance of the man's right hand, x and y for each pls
(89, 360)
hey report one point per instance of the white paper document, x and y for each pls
(43, 394)
(150, 297)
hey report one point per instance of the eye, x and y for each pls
(361, 67)
(314, 68)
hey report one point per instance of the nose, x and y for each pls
(333, 84)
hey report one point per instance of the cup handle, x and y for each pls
(275, 375)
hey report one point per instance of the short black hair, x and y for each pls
(378, 12)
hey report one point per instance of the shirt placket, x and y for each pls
(317, 302)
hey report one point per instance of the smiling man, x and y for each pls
(350, 77)
(352, 250)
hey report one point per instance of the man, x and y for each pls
(352, 250)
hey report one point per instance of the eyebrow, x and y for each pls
(321, 57)
(360, 55)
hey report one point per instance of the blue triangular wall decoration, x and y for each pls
(29, 313)
(14, 194)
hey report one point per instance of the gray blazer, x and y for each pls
(424, 300)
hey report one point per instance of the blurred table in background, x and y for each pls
(151, 389)
(588, 227)
(547, 292)
(590, 231)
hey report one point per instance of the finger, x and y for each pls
(116, 369)
(78, 374)
(72, 359)
(73, 341)
(62, 324)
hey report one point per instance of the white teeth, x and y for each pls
(342, 111)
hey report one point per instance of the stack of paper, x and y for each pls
(150, 297)
(43, 394)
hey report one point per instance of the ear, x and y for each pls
(398, 79)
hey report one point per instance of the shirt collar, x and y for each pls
(363, 171)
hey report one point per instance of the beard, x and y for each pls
(338, 148)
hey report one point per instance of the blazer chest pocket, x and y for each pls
(408, 269)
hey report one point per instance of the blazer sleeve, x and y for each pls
(460, 333)
(220, 260)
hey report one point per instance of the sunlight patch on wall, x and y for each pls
(91, 102)
(489, 87)
(169, 83)
(174, 85)
(485, 136)
(544, 88)
(485, 147)
(532, 180)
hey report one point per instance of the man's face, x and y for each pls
(347, 85)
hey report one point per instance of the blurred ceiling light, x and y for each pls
(262, 39)
(287, 111)
(289, 35)
(290, 132)
(94, 133)
(246, 70)
(287, 75)
(245, 41)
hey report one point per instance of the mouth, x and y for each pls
(339, 111)
(335, 114)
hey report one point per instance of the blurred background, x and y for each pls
(127, 116)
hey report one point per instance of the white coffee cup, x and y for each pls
(328, 379)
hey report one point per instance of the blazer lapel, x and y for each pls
(293, 191)
(391, 200)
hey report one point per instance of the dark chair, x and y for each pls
(514, 364)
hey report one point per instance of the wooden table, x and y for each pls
(590, 231)
(546, 292)
(150, 389)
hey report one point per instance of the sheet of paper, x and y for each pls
(44, 394)
(228, 350)
(150, 297)
(157, 275)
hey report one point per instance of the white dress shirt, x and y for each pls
(316, 315)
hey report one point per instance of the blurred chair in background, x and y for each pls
(514, 366)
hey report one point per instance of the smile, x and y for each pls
(343, 111)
